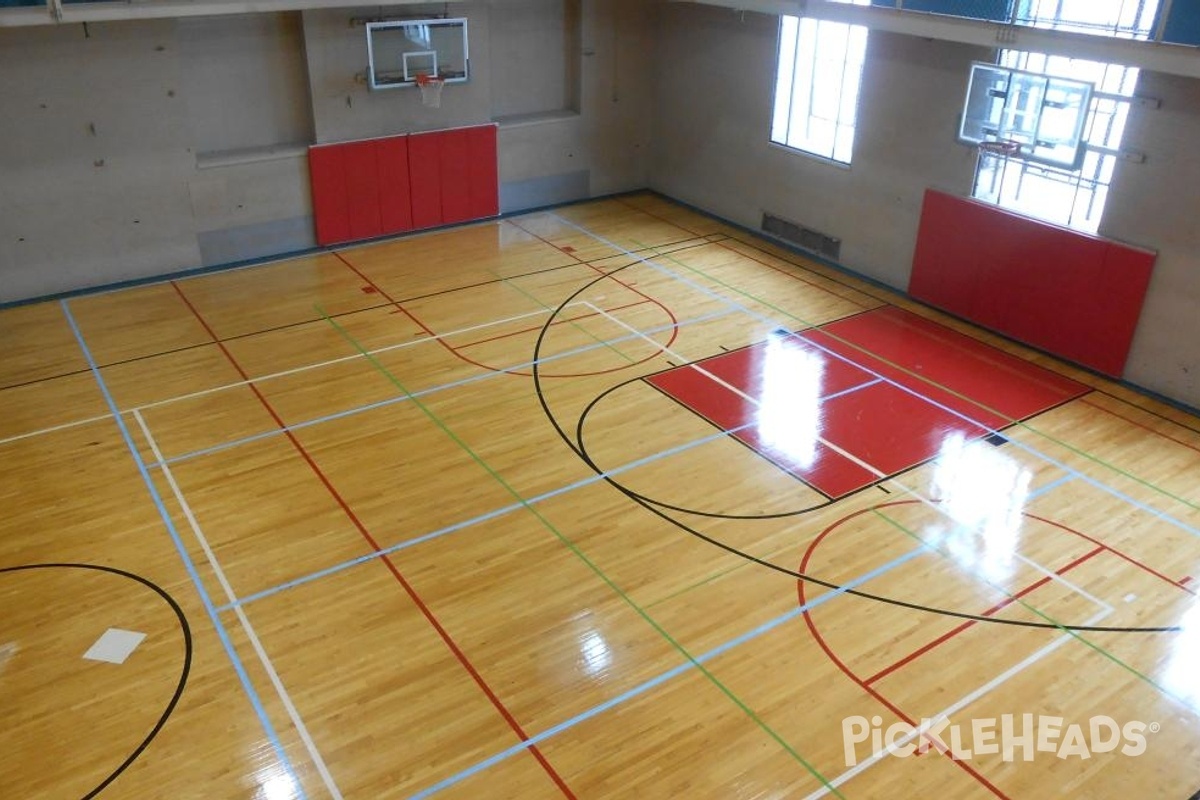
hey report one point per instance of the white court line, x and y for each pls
(953, 708)
(284, 373)
(924, 500)
(53, 428)
(263, 658)
(321, 364)
(979, 692)
(686, 362)
(1087, 478)
(1079, 590)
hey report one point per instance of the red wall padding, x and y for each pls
(455, 177)
(331, 205)
(375, 187)
(362, 178)
(395, 196)
(484, 175)
(424, 169)
(1066, 292)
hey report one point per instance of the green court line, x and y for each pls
(582, 557)
(722, 573)
(706, 581)
(574, 323)
(925, 380)
(1038, 612)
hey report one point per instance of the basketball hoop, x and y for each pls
(431, 90)
(1001, 148)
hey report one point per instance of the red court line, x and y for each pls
(812, 627)
(1143, 426)
(765, 263)
(1118, 553)
(375, 547)
(920, 651)
(935, 381)
(945, 366)
(522, 373)
(865, 684)
(666, 310)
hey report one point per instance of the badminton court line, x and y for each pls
(953, 708)
(268, 377)
(684, 667)
(1104, 487)
(189, 566)
(491, 375)
(247, 627)
(503, 510)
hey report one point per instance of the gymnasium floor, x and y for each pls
(519, 510)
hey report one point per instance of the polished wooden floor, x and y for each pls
(349, 502)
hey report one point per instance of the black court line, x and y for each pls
(842, 270)
(751, 517)
(183, 676)
(791, 573)
(1160, 399)
(299, 323)
(728, 435)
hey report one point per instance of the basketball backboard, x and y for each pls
(398, 51)
(1044, 116)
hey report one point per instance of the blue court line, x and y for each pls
(1051, 486)
(662, 678)
(213, 615)
(1029, 449)
(499, 512)
(443, 387)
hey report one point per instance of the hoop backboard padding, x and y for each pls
(431, 90)
(400, 50)
(1043, 114)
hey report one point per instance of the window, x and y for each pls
(1074, 198)
(1126, 19)
(816, 85)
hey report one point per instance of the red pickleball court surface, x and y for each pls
(846, 404)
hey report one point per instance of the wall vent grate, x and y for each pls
(805, 238)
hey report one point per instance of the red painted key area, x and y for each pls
(851, 402)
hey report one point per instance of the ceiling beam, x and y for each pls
(1169, 58)
(166, 9)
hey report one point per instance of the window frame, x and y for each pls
(1091, 181)
(787, 114)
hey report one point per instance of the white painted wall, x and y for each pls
(712, 122)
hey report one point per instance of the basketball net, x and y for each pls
(431, 90)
